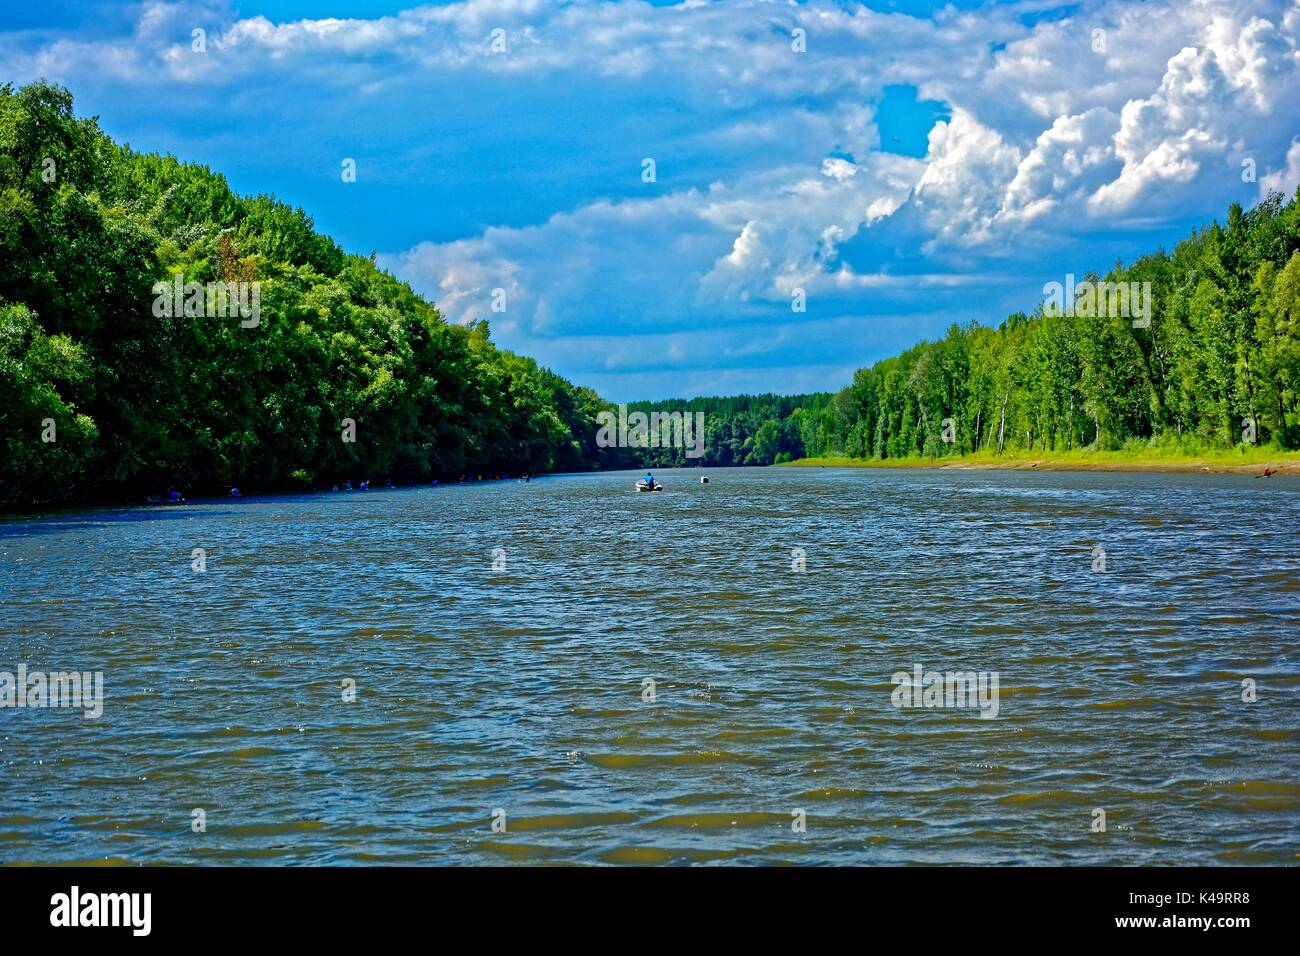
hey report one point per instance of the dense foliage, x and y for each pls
(1222, 347)
(101, 393)
(738, 430)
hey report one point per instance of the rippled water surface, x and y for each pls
(522, 688)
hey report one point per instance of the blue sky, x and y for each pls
(916, 165)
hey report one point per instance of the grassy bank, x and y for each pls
(1242, 459)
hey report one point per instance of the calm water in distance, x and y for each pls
(521, 688)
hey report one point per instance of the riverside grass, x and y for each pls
(1240, 459)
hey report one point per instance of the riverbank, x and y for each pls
(1251, 461)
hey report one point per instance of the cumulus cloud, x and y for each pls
(774, 177)
(748, 244)
(789, 229)
(1214, 97)
(1286, 179)
(967, 170)
(1069, 161)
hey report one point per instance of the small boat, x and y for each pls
(704, 479)
(642, 486)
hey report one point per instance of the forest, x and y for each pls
(347, 373)
(105, 393)
(1217, 364)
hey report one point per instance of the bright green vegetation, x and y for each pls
(136, 400)
(1135, 455)
(140, 401)
(1223, 346)
(738, 430)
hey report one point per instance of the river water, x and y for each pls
(512, 686)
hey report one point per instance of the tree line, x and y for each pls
(103, 392)
(1214, 362)
(106, 393)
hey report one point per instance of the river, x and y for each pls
(569, 671)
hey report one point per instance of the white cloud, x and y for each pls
(1048, 125)
(968, 167)
(1211, 99)
(1286, 179)
(1072, 158)
(749, 243)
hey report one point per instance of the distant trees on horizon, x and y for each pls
(101, 392)
(1217, 364)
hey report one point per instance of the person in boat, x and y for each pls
(649, 480)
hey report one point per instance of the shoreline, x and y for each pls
(1282, 463)
(1227, 463)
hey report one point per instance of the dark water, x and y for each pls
(522, 689)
